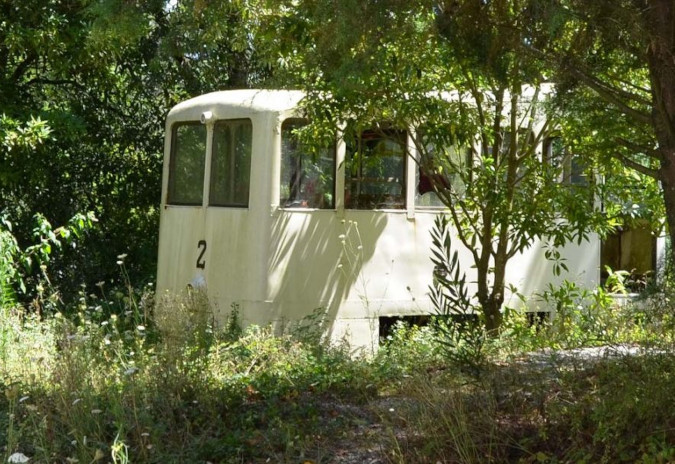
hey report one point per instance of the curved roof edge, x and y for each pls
(248, 99)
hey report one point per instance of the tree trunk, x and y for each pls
(493, 315)
(667, 177)
(491, 300)
(659, 23)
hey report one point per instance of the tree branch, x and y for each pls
(611, 95)
(23, 66)
(654, 154)
(42, 80)
(641, 168)
(608, 93)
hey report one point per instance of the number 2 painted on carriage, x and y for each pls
(201, 262)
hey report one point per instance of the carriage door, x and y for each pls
(182, 218)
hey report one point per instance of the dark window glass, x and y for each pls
(572, 166)
(231, 163)
(375, 170)
(307, 179)
(554, 152)
(578, 174)
(186, 172)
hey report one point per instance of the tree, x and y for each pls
(614, 62)
(450, 74)
(84, 90)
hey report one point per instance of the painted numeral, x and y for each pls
(201, 262)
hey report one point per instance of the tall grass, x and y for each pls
(126, 379)
(106, 385)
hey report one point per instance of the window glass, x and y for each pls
(375, 170)
(307, 179)
(441, 169)
(186, 171)
(572, 166)
(231, 163)
(554, 152)
(578, 171)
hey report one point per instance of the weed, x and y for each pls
(109, 379)
(459, 321)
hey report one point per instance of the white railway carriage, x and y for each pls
(278, 234)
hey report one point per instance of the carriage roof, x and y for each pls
(239, 100)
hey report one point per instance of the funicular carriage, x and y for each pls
(255, 223)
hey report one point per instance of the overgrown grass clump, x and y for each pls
(123, 379)
(94, 388)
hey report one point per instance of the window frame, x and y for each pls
(334, 171)
(171, 186)
(360, 179)
(464, 159)
(572, 172)
(211, 173)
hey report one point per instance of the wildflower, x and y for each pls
(341, 236)
(100, 284)
(339, 266)
(96, 411)
(131, 371)
(122, 256)
(77, 400)
(140, 328)
(360, 247)
(23, 398)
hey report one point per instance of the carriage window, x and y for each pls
(186, 171)
(572, 167)
(375, 170)
(577, 171)
(447, 168)
(554, 152)
(231, 163)
(307, 179)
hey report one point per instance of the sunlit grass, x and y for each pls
(123, 380)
